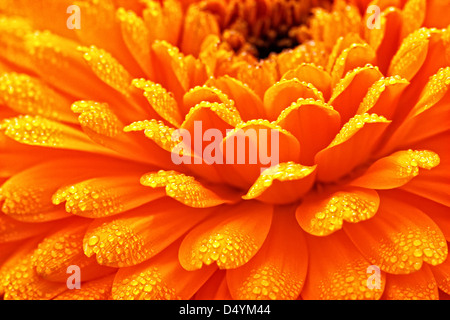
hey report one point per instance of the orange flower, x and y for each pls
(91, 119)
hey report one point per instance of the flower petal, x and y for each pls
(399, 238)
(28, 195)
(429, 117)
(323, 214)
(352, 146)
(337, 270)
(313, 123)
(230, 238)
(310, 73)
(162, 102)
(246, 101)
(198, 24)
(62, 249)
(25, 94)
(140, 234)
(397, 169)
(357, 55)
(106, 196)
(283, 183)
(285, 92)
(350, 91)
(99, 289)
(160, 278)
(383, 96)
(186, 189)
(216, 288)
(419, 285)
(274, 273)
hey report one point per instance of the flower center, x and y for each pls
(263, 27)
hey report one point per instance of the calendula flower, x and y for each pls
(337, 185)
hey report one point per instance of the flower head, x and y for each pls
(214, 149)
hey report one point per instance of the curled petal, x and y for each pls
(246, 101)
(357, 55)
(186, 189)
(383, 96)
(105, 196)
(282, 94)
(283, 183)
(310, 73)
(160, 100)
(350, 91)
(323, 214)
(397, 169)
(230, 238)
(352, 146)
(313, 123)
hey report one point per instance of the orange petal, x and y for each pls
(198, 24)
(14, 230)
(230, 238)
(357, 55)
(253, 146)
(260, 76)
(164, 20)
(337, 270)
(101, 197)
(313, 123)
(62, 249)
(350, 91)
(274, 273)
(430, 116)
(160, 278)
(29, 95)
(352, 146)
(383, 96)
(419, 285)
(175, 77)
(137, 39)
(23, 275)
(437, 212)
(160, 100)
(100, 19)
(216, 288)
(413, 15)
(282, 184)
(323, 214)
(28, 195)
(102, 125)
(99, 289)
(187, 190)
(400, 237)
(39, 131)
(138, 235)
(285, 92)
(385, 42)
(310, 73)
(442, 275)
(246, 101)
(198, 95)
(434, 17)
(397, 169)
(411, 54)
